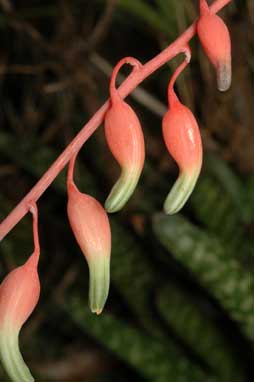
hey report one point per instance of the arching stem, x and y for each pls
(34, 211)
(203, 7)
(114, 94)
(172, 97)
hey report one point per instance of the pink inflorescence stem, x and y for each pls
(126, 88)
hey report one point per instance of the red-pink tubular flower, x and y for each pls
(215, 39)
(125, 139)
(183, 141)
(91, 228)
(19, 294)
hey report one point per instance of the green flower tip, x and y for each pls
(99, 269)
(122, 190)
(180, 192)
(11, 357)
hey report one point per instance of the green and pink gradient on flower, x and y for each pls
(125, 139)
(20, 290)
(183, 141)
(90, 225)
(215, 39)
(19, 294)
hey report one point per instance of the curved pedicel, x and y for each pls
(215, 39)
(19, 294)
(126, 142)
(91, 228)
(183, 141)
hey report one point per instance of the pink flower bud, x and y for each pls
(183, 141)
(215, 39)
(90, 225)
(19, 294)
(125, 139)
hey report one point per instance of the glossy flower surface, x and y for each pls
(182, 138)
(126, 142)
(183, 141)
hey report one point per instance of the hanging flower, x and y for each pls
(183, 141)
(125, 139)
(215, 39)
(91, 228)
(19, 294)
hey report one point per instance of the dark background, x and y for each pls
(181, 301)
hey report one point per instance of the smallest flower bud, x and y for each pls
(215, 39)
(90, 225)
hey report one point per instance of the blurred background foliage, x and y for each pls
(181, 304)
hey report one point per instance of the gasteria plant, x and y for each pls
(88, 219)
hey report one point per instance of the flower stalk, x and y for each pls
(130, 84)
